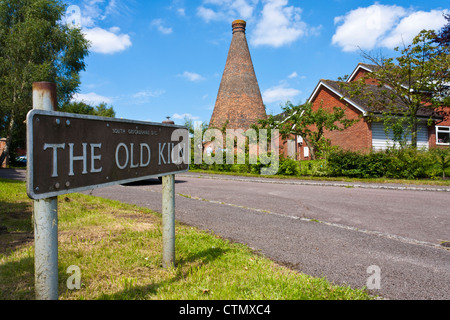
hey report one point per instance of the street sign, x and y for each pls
(70, 153)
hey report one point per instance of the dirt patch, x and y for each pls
(142, 222)
(90, 233)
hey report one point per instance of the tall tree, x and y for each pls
(308, 123)
(35, 45)
(412, 84)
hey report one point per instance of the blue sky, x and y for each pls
(153, 59)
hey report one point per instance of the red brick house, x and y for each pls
(366, 135)
(2, 147)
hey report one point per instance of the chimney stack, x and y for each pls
(239, 103)
(238, 26)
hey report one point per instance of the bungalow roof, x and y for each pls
(367, 67)
(362, 104)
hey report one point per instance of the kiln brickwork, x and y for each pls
(239, 103)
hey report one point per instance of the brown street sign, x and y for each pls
(71, 153)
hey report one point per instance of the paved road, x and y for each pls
(328, 229)
(321, 230)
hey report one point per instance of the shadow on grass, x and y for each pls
(141, 292)
(16, 227)
(17, 280)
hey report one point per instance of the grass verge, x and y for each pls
(118, 250)
(429, 182)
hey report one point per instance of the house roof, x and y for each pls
(336, 89)
(364, 66)
(362, 104)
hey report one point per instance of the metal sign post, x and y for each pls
(168, 220)
(71, 153)
(45, 216)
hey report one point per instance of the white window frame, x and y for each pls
(306, 152)
(439, 129)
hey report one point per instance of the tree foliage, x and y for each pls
(35, 45)
(102, 110)
(443, 36)
(310, 124)
(413, 84)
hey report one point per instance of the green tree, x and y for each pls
(311, 124)
(35, 45)
(189, 123)
(414, 83)
(102, 110)
(196, 132)
(443, 36)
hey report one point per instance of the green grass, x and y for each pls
(118, 248)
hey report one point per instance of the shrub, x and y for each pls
(320, 168)
(442, 158)
(289, 167)
(374, 164)
(406, 163)
(345, 163)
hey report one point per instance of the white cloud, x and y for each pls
(107, 41)
(178, 7)
(273, 22)
(192, 76)
(112, 8)
(91, 98)
(148, 94)
(280, 93)
(158, 23)
(363, 27)
(226, 10)
(183, 116)
(87, 15)
(181, 12)
(280, 24)
(293, 75)
(243, 8)
(207, 14)
(411, 25)
(382, 26)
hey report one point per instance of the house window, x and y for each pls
(442, 135)
(306, 152)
